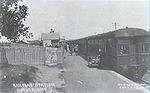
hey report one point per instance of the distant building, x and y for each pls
(50, 39)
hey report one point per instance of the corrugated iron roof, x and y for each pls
(50, 36)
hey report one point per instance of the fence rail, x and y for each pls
(30, 55)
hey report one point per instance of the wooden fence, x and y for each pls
(30, 55)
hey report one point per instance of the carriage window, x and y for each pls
(90, 41)
(93, 41)
(144, 48)
(124, 48)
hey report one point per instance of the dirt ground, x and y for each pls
(39, 76)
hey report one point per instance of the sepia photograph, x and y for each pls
(74, 46)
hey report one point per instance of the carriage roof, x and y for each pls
(125, 32)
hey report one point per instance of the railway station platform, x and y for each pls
(79, 78)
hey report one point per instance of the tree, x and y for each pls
(12, 18)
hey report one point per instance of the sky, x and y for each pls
(80, 18)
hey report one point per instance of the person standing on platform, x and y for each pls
(65, 47)
(76, 50)
(71, 49)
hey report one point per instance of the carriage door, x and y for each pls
(108, 54)
(132, 51)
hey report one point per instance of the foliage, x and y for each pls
(12, 18)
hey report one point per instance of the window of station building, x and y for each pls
(124, 49)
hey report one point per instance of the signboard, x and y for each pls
(51, 56)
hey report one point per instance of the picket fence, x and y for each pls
(31, 55)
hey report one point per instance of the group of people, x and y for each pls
(72, 49)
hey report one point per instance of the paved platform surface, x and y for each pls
(79, 78)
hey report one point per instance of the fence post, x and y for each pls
(44, 55)
(14, 54)
(0, 56)
(4, 56)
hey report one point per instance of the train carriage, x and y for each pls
(124, 50)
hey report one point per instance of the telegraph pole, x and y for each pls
(115, 25)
